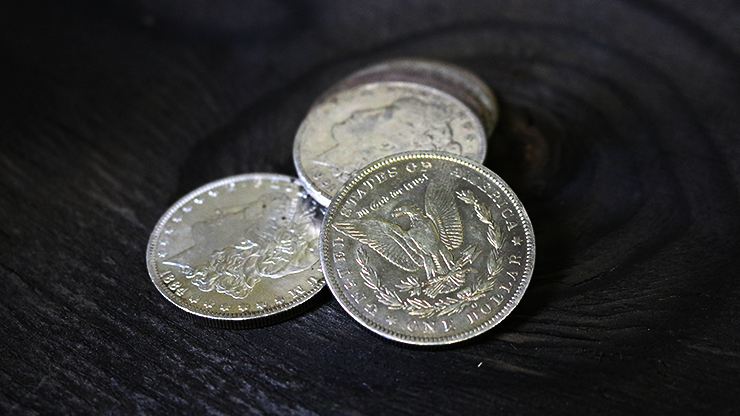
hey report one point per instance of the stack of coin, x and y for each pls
(390, 108)
(452, 79)
(420, 243)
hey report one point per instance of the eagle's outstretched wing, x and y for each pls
(385, 238)
(439, 204)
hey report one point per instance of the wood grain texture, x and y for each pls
(619, 131)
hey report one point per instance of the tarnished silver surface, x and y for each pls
(355, 127)
(452, 79)
(427, 248)
(238, 249)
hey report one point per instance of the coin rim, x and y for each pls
(222, 316)
(320, 196)
(329, 271)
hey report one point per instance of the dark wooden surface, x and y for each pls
(620, 127)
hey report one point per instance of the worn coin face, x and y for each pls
(355, 127)
(238, 249)
(427, 248)
(452, 79)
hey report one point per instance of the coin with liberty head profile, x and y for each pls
(354, 127)
(243, 249)
(427, 248)
(450, 78)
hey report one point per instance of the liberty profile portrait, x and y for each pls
(408, 123)
(237, 248)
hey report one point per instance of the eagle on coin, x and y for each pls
(433, 234)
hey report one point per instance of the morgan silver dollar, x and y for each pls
(452, 79)
(354, 127)
(427, 248)
(239, 249)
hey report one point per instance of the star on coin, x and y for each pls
(516, 240)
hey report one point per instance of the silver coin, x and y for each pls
(239, 249)
(355, 127)
(452, 79)
(427, 248)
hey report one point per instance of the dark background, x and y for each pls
(619, 131)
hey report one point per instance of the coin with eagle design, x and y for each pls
(427, 248)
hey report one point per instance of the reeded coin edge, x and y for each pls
(200, 312)
(329, 271)
(322, 197)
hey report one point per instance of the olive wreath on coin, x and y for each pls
(417, 306)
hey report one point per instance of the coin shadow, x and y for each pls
(544, 164)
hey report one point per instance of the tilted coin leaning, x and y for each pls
(427, 248)
(241, 249)
(354, 127)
